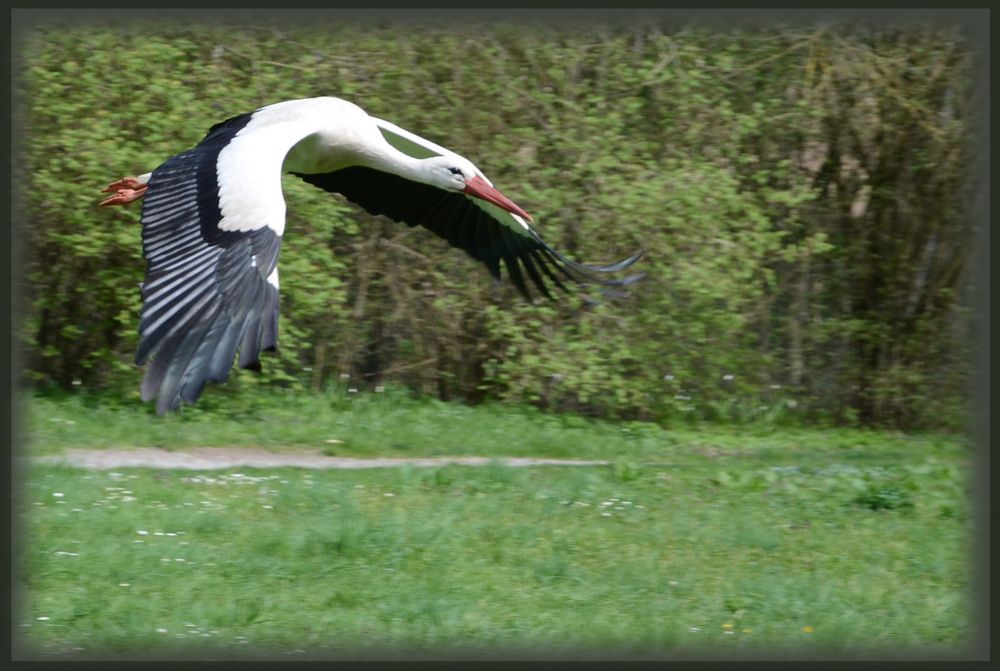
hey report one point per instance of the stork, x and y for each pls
(213, 218)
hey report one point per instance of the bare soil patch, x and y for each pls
(217, 458)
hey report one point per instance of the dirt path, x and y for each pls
(212, 458)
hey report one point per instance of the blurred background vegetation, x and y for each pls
(800, 191)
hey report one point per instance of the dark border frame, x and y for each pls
(974, 19)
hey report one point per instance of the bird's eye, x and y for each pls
(456, 171)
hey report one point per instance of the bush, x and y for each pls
(799, 195)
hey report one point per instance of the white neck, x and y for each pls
(389, 159)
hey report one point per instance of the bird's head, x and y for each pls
(455, 173)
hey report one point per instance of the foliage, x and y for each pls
(799, 194)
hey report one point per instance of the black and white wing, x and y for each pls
(486, 232)
(212, 221)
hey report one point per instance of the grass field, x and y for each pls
(703, 541)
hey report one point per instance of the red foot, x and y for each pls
(126, 190)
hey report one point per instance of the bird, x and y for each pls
(213, 218)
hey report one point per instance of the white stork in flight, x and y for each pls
(213, 216)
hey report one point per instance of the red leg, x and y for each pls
(126, 190)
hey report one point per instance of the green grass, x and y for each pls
(395, 424)
(702, 541)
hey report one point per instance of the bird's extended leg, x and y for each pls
(126, 190)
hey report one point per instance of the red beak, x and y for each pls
(480, 188)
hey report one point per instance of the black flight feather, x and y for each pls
(456, 218)
(206, 293)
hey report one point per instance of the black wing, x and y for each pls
(465, 225)
(206, 292)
